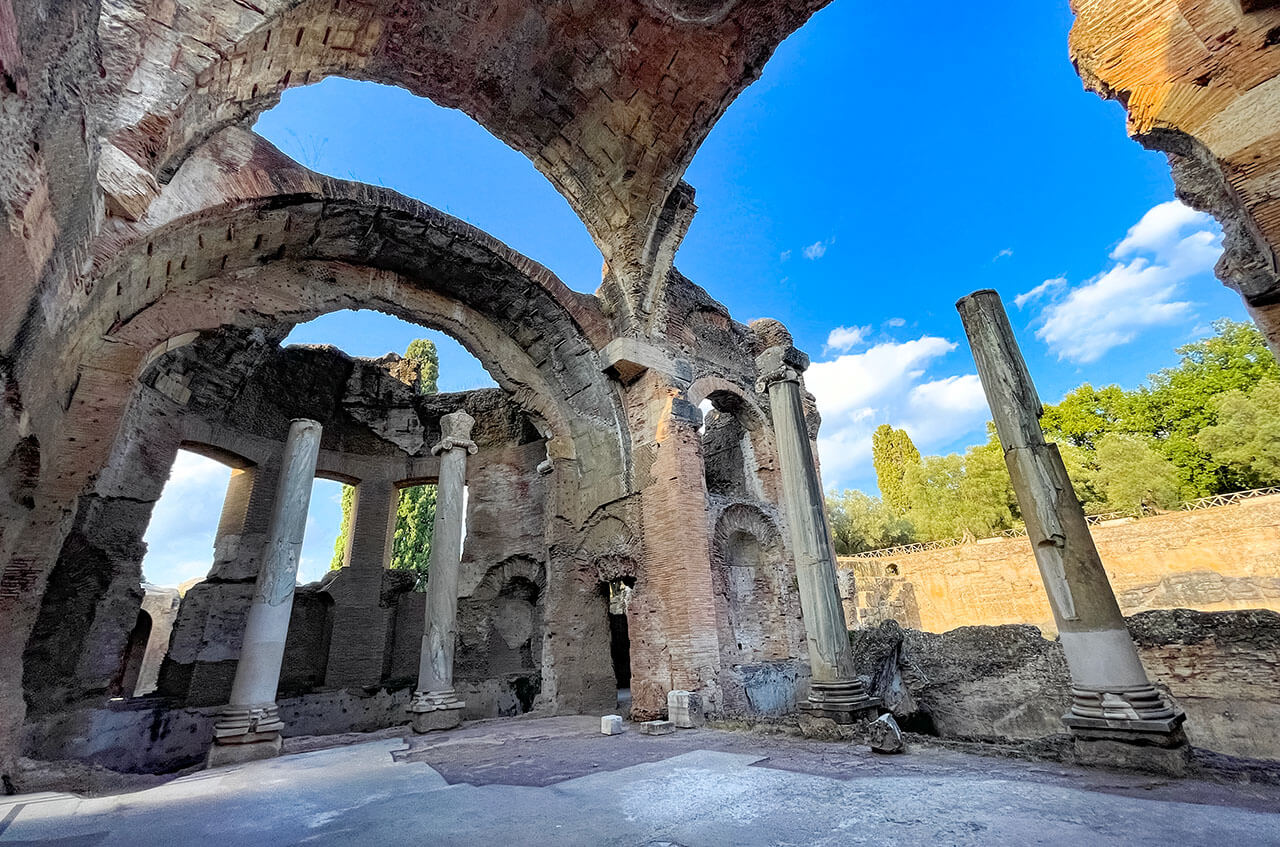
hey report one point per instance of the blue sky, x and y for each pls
(893, 158)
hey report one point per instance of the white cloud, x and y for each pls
(896, 322)
(185, 519)
(1040, 290)
(1138, 291)
(816, 250)
(786, 254)
(942, 409)
(856, 392)
(1003, 254)
(1160, 228)
(843, 338)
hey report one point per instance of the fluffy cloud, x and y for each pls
(1170, 245)
(185, 520)
(844, 338)
(1006, 253)
(816, 250)
(1160, 228)
(887, 383)
(1039, 291)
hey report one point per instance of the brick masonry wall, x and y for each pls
(1210, 560)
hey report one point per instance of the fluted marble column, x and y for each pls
(249, 726)
(1111, 694)
(435, 705)
(835, 691)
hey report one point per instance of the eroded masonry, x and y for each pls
(156, 252)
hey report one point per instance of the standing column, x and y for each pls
(249, 727)
(435, 705)
(1111, 696)
(835, 691)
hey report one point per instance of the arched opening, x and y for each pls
(383, 135)
(619, 635)
(135, 652)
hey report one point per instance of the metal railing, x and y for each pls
(1093, 520)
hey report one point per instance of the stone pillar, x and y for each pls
(249, 726)
(435, 705)
(1111, 696)
(835, 691)
(359, 620)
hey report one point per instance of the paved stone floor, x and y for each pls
(556, 781)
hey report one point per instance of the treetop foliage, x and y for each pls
(1208, 425)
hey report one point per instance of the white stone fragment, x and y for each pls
(657, 728)
(611, 725)
(684, 708)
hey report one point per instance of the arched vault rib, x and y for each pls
(256, 260)
(608, 98)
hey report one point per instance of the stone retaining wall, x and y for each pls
(1222, 558)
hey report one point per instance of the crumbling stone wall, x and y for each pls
(1226, 557)
(140, 216)
(997, 683)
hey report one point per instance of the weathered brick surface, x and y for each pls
(1227, 557)
(1199, 79)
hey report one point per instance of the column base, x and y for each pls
(245, 734)
(1134, 729)
(434, 711)
(221, 754)
(844, 701)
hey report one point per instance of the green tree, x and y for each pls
(1178, 403)
(344, 529)
(1085, 415)
(860, 522)
(893, 453)
(422, 352)
(415, 520)
(1134, 475)
(1246, 437)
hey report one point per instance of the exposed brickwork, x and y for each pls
(1201, 81)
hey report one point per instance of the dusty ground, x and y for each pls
(557, 781)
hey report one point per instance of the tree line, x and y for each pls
(1209, 425)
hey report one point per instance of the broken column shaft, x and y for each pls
(249, 727)
(835, 691)
(435, 705)
(1112, 698)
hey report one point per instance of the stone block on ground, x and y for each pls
(611, 725)
(657, 728)
(885, 736)
(684, 708)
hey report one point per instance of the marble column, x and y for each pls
(1111, 696)
(249, 727)
(435, 705)
(835, 691)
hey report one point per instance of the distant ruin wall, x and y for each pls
(1217, 559)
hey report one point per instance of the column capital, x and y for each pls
(455, 432)
(780, 363)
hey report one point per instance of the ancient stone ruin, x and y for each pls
(156, 252)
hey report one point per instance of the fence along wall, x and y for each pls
(1214, 559)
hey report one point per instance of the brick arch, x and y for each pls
(727, 396)
(609, 99)
(250, 256)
